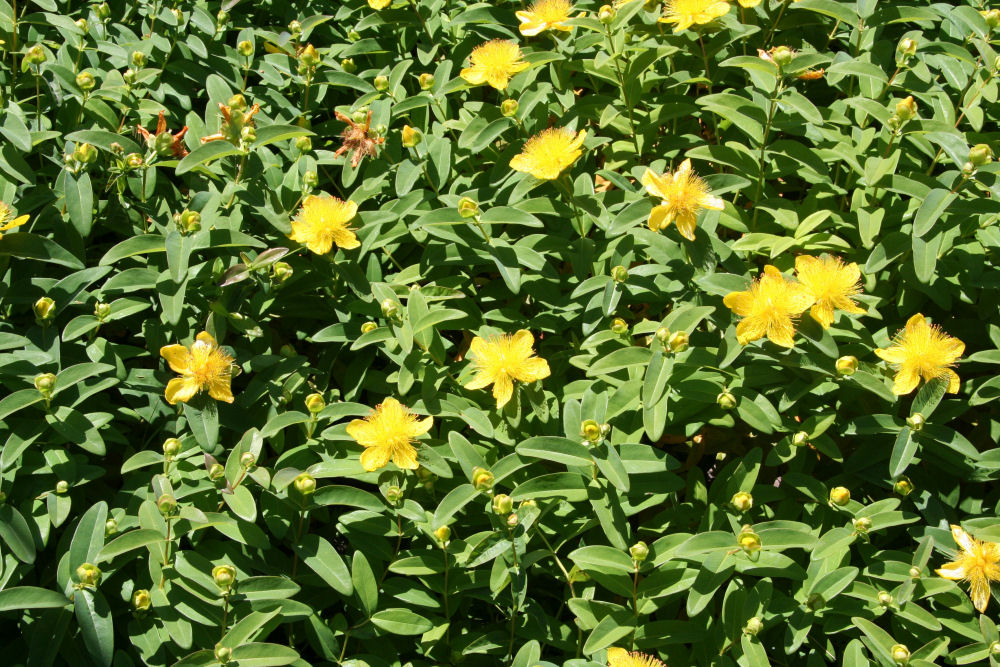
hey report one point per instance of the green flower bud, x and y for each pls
(315, 403)
(847, 366)
(467, 207)
(591, 431)
(968, 169)
(102, 11)
(216, 471)
(45, 383)
(390, 309)
(83, 25)
(248, 460)
(606, 14)
(102, 311)
(915, 421)
(753, 627)
(281, 271)
(862, 525)
(166, 504)
(129, 76)
(310, 57)
(224, 576)
(223, 654)
(840, 495)
(748, 540)
(512, 520)
(639, 551)
(303, 144)
(782, 56)
(141, 600)
(368, 327)
(134, 160)
(110, 527)
(884, 598)
(248, 134)
(995, 649)
(992, 17)
(138, 59)
(663, 335)
(381, 83)
(619, 274)
(906, 108)
(190, 221)
(509, 108)
(678, 342)
(915, 572)
(178, 15)
(162, 143)
(800, 439)
(310, 179)
(222, 17)
(502, 504)
(742, 501)
(347, 64)
(62, 487)
(726, 400)
(88, 574)
(85, 81)
(906, 49)
(482, 479)
(981, 154)
(443, 534)
(903, 486)
(393, 494)
(45, 309)
(305, 484)
(426, 81)
(237, 102)
(619, 326)
(245, 48)
(411, 137)
(172, 447)
(35, 55)
(900, 654)
(295, 28)
(815, 601)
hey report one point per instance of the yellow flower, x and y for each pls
(922, 350)
(7, 219)
(686, 13)
(549, 152)
(500, 360)
(747, 4)
(322, 221)
(619, 657)
(545, 15)
(203, 367)
(831, 283)
(683, 193)
(379, 4)
(978, 563)
(494, 62)
(388, 433)
(768, 308)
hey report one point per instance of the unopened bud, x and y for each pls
(840, 495)
(103, 11)
(726, 400)
(303, 144)
(619, 274)
(381, 83)
(85, 81)
(83, 25)
(606, 14)
(782, 56)
(189, 221)
(906, 49)
(847, 366)
(468, 207)
(245, 48)
(129, 76)
(223, 654)
(742, 501)
(906, 108)
(368, 327)
(995, 649)
(393, 494)
(166, 504)
(216, 471)
(310, 57)
(884, 598)
(310, 179)
(248, 134)
(295, 28)
(281, 271)
(178, 15)
(426, 81)
(992, 17)
(360, 116)
(678, 341)
(62, 487)
(141, 600)
(305, 484)
(102, 311)
(390, 308)
(903, 486)
(36, 55)
(663, 335)
(753, 627)
(748, 540)
(248, 460)
(353, 35)
(509, 108)
(503, 504)
(172, 447)
(315, 403)
(512, 520)
(45, 309)
(88, 574)
(110, 527)
(915, 572)
(347, 64)
(134, 160)
(224, 576)
(862, 525)
(981, 154)
(968, 169)
(443, 534)
(639, 551)
(412, 137)
(237, 102)
(222, 17)
(619, 326)
(482, 479)
(45, 383)
(590, 430)
(800, 439)
(138, 58)
(815, 601)
(915, 421)
(900, 654)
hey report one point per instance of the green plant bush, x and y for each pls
(439, 332)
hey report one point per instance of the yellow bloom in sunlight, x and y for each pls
(379, 4)
(922, 350)
(619, 657)
(978, 563)
(747, 4)
(832, 283)
(500, 360)
(686, 13)
(494, 62)
(388, 433)
(203, 367)
(549, 152)
(7, 219)
(544, 15)
(768, 308)
(323, 221)
(682, 193)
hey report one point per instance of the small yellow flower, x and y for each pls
(768, 308)
(379, 4)
(978, 563)
(619, 657)
(682, 193)
(500, 360)
(7, 219)
(747, 4)
(388, 433)
(203, 367)
(494, 62)
(545, 15)
(686, 13)
(322, 222)
(549, 153)
(831, 283)
(922, 350)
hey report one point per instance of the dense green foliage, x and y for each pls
(662, 488)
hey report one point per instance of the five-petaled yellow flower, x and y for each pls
(768, 308)
(831, 283)
(203, 367)
(379, 4)
(549, 153)
(922, 350)
(686, 13)
(545, 15)
(500, 360)
(619, 657)
(494, 62)
(322, 222)
(7, 219)
(978, 563)
(388, 433)
(682, 193)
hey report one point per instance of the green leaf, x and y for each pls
(270, 134)
(320, 557)
(94, 618)
(213, 150)
(603, 559)
(32, 246)
(263, 655)
(31, 597)
(80, 203)
(88, 539)
(203, 418)
(619, 359)
(903, 452)
(16, 534)
(554, 448)
(934, 205)
(365, 586)
(401, 622)
(453, 503)
(134, 539)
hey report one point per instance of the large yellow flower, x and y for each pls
(549, 152)
(323, 221)
(922, 350)
(619, 657)
(388, 433)
(379, 4)
(545, 15)
(203, 367)
(768, 308)
(500, 360)
(832, 283)
(494, 62)
(682, 193)
(686, 13)
(7, 219)
(978, 563)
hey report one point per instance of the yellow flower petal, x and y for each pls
(374, 458)
(683, 194)
(180, 390)
(177, 357)
(323, 221)
(922, 350)
(503, 390)
(547, 154)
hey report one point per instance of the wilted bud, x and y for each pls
(915, 572)
(742, 501)
(916, 421)
(503, 504)
(347, 64)
(62, 487)
(83, 25)
(45, 309)
(753, 627)
(412, 137)
(906, 49)
(992, 17)
(443, 534)
(482, 479)
(368, 327)
(426, 81)
(468, 207)
(748, 540)
(862, 525)
(782, 56)
(847, 366)
(281, 271)
(102, 311)
(35, 55)
(900, 654)
(393, 494)
(678, 341)
(134, 160)
(390, 308)
(166, 504)
(190, 221)
(800, 439)
(381, 83)
(138, 58)
(606, 14)
(45, 383)
(223, 654)
(216, 471)
(141, 600)
(726, 400)
(906, 108)
(981, 154)
(619, 274)
(619, 326)
(245, 48)
(88, 574)
(840, 495)
(310, 57)
(662, 334)
(102, 11)
(310, 179)
(639, 551)
(110, 527)
(305, 484)
(590, 430)
(248, 460)
(509, 108)
(903, 486)
(315, 403)
(295, 28)
(224, 576)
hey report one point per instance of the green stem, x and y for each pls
(563, 180)
(225, 614)
(635, 605)
(298, 538)
(624, 89)
(447, 609)
(482, 230)
(774, 26)
(38, 101)
(763, 148)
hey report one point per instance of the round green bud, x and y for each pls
(360, 116)
(606, 14)
(172, 447)
(915, 572)
(295, 28)
(906, 108)
(102, 11)
(390, 308)
(83, 25)
(381, 83)
(310, 179)
(138, 59)
(748, 540)
(502, 504)
(482, 479)
(281, 271)
(178, 15)
(426, 81)
(840, 495)
(782, 56)
(222, 17)
(237, 102)
(509, 108)
(639, 551)
(353, 35)
(141, 600)
(411, 137)
(102, 311)
(224, 576)
(903, 486)
(347, 64)
(315, 403)
(110, 527)
(190, 221)
(742, 501)
(85, 81)
(753, 627)
(245, 48)
(900, 654)
(88, 574)
(995, 649)
(915, 421)
(248, 460)
(847, 365)
(800, 439)
(619, 274)
(248, 134)
(992, 17)
(815, 601)
(663, 335)
(443, 534)
(62, 487)
(303, 144)
(223, 654)
(619, 326)
(678, 342)
(980, 154)
(310, 58)
(45, 309)
(512, 520)
(468, 207)
(393, 494)
(862, 525)
(590, 430)
(45, 383)
(368, 327)
(907, 48)
(216, 471)
(35, 55)
(162, 143)
(134, 160)
(726, 400)
(305, 484)
(884, 598)
(129, 76)
(166, 504)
